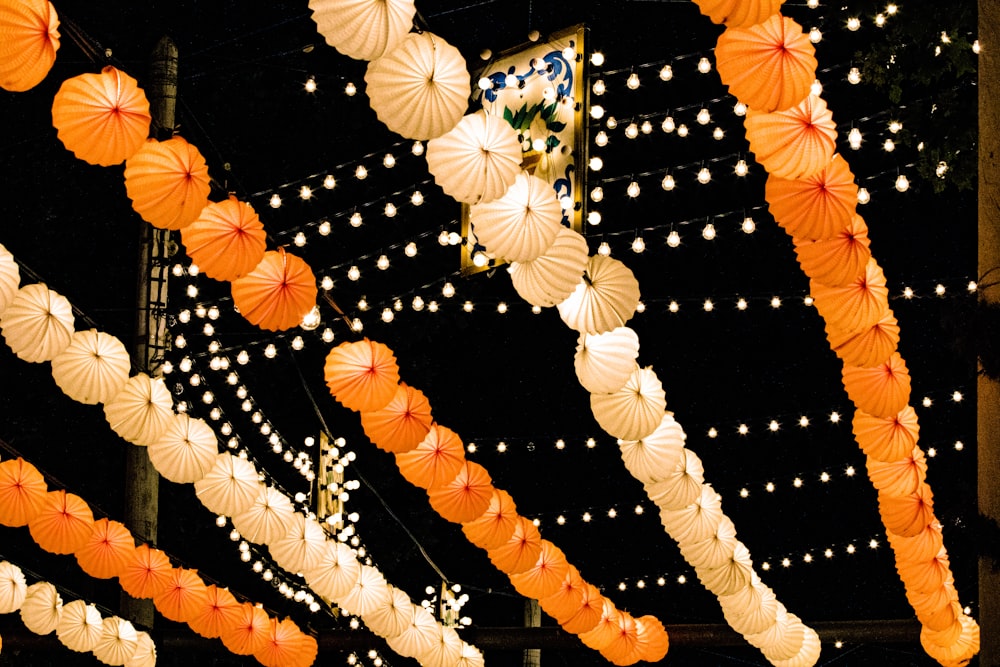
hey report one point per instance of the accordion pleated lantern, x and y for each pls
(402, 424)
(420, 89)
(815, 208)
(226, 240)
(93, 368)
(795, 143)
(335, 573)
(186, 451)
(41, 608)
(606, 297)
(887, 438)
(418, 636)
(391, 615)
(738, 13)
(80, 626)
(267, 519)
(436, 460)
(13, 588)
(141, 411)
(465, 497)
(167, 182)
(652, 458)
(107, 551)
(362, 375)
(522, 224)
(29, 40)
(38, 323)
(552, 276)
(477, 160)
(62, 524)
(364, 596)
(444, 649)
(496, 525)
(881, 391)
(634, 411)
(248, 633)
(363, 29)
(230, 487)
(118, 643)
(604, 362)
(302, 547)
(857, 305)
(10, 278)
(869, 346)
(278, 293)
(838, 260)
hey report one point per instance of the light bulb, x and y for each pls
(604, 249)
(638, 245)
(390, 210)
(673, 238)
(854, 138)
(704, 117)
(880, 20)
(704, 175)
(480, 259)
(382, 262)
(305, 192)
(889, 145)
(646, 127)
(682, 130)
(718, 133)
(299, 240)
(329, 182)
(353, 273)
(596, 58)
(668, 124)
(387, 315)
(597, 194)
(632, 131)
(853, 24)
(748, 226)
(418, 148)
(355, 219)
(666, 73)
(417, 198)
(454, 238)
(324, 228)
(350, 89)
(417, 304)
(410, 250)
(863, 196)
(941, 169)
(633, 81)
(854, 76)
(895, 126)
(597, 112)
(443, 238)
(595, 163)
(815, 36)
(611, 123)
(668, 183)
(708, 232)
(902, 183)
(740, 109)
(599, 88)
(741, 168)
(484, 83)
(310, 85)
(594, 217)
(275, 201)
(601, 138)
(448, 290)
(816, 88)
(632, 190)
(361, 173)
(704, 65)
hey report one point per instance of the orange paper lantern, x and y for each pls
(147, 574)
(465, 497)
(567, 598)
(815, 208)
(606, 629)
(769, 66)
(62, 524)
(362, 375)
(219, 610)
(796, 143)
(546, 576)
(101, 118)
(278, 293)
(435, 461)
(887, 438)
(653, 639)
(624, 648)
(838, 260)
(924, 576)
(402, 423)
(495, 526)
(22, 492)
(167, 182)
(881, 391)
(184, 597)
(869, 346)
(907, 515)
(860, 304)
(226, 240)
(923, 546)
(283, 645)
(520, 552)
(107, 551)
(738, 13)
(589, 613)
(249, 631)
(29, 39)
(937, 610)
(901, 477)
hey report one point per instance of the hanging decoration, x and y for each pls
(278, 293)
(605, 299)
(93, 368)
(29, 40)
(226, 240)
(522, 224)
(738, 13)
(167, 182)
(795, 143)
(552, 276)
(38, 323)
(363, 29)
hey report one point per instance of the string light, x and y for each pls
(854, 76)
(667, 72)
(853, 24)
(854, 138)
(704, 65)
(633, 81)
(668, 124)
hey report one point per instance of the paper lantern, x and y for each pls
(22, 492)
(606, 630)
(101, 118)
(444, 650)
(477, 160)
(147, 574)
(925, 545)
(278, 293)
(108, 550)
(141, 411)
(924, 576)
(860, 304)
(118, 641)
(520, 552)
(682, 486)
(435, 461)
(167, 182)
(364, 595)
(302, 547)
(522, 224)
(465, 497)
(887, 438)
(226, 240)
(62, 524)
(145, 652)
(606, 297)
(41, 608)
(38, 323)
(653, 640)
(604, 362)
(230, 487)
(738, 13)
(552, 276)
(815, 208)
(869, 346)
(634, 411)
(10, 279)
(588, 615)
(419, 635)
(624, 649)
(186, 451)
(13, 588)
(654, 457)
(363, 29)
(420, 88)
(901, 477)
(496, 525)
(565, 601)
(797, 143)
(697, 521)
(958, 652)
(546, 576)
(184, 596)
(391, 616)
(715, 550)
(29, 40)
(93, 368)
(838, 260)
(881, 391)
(219, 610)
(80, 626)
(282, 644)
(470, 657)
(731, 576)
(248, 633)
(335, 573)
(908, 514)
(751, 608)
(938, 610)
(402, 423)
(362, 375)
(783, 640)
(808, 653)
(266, 520)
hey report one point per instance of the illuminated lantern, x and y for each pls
(606, 297)
(908, 514)
(552, 276)
(419, 635)
(838, 260)
(186, 451)
(606, 630)
(335, 573)
(420, 89)
(624, 649)
(13, 588)
(881, 391)
(808, 653)
(363, 29)
(392, 615)
(546, 576)
(38, 323)
(923, 546)
(496, 525)
(870, 346)
(731, 576)
(302, 547)
(369, 588)
(219, 610)
(715, 550)
(924, 576)
(522, 224)
(477, 160)
(267, 519)
(29, 39)
(80, 626)
(818, 207)
(435, 461)
(520, 552)
(184, 596)
(226, 240)
(750, 609)
(108, 550)
(118, 643)
(960, 651)
(62, 524)
(634, 411)
(860, 304)
(565, 601)
(768, 66)
(141, 411)
(465, 497)
(938, 610)
(248, 633)
(695, 522)
(147, 574)
(278, 293)
(41, 608)
(10, 278)
(470, 657)
(444, 649)
(93, 368)
(899, 478)
(23, 491)
(145, 652)
(652, 458)
(589, 613)
(230, 487)
(604, 362)
(887, 438)
(653, 640)
(738, 13)
(284, 645)
(167, 182)
(362, 375)
(402, 424)
(783, 638)
(682, 486)
(796, 143)
(101, 118)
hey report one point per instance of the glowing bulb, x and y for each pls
(666, 73)
(454, 238)
(815, 36)
(891, 9)
(902, 183)
(448, 290)
(595, 163)
(863, 196)
(480, 259)
(740, 109)
(682, 130)
(353, 273)
(775, 302)
(305, 192)
(638, 245)
(361, 173)
(599, 88)
(484, 83)
(673, 238)
(601, 138)
(673, 307)
(418, 148)
(941, 169)
(708, 306)
(741, 167)
(632, 190)
(708, 232)
(704, 175)
(390, 210)
(410, 250)
(597, 112)
(718, 133)
(633, 81)
(854, 75)
(604, 249)
(704, 117)
(382, 263)
(299, 240)
(355, 219)
(611, 123)
(417, 304)
(597, 194)
(854, 138)
(889, 146)
(704, 65)
(741, 304)
(324, 228)
(748, 225)
(310, 85)
(632, 131)
(880, 20)
(816, 88)
(895, 126)
(596, 58)
(854, 24)
(275, 201)
(350, 89)
(668, 183)
(594, 218)
(646, 127)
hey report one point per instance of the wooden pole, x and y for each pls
(532, 619)
(142, 482)
(988, 390)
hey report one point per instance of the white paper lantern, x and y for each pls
(363, 29)
(552, 276)
(38, 323)
(477, 160)
(634, 411)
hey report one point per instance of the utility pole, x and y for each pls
(988, 390)
(142, 482)
(532, 619)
